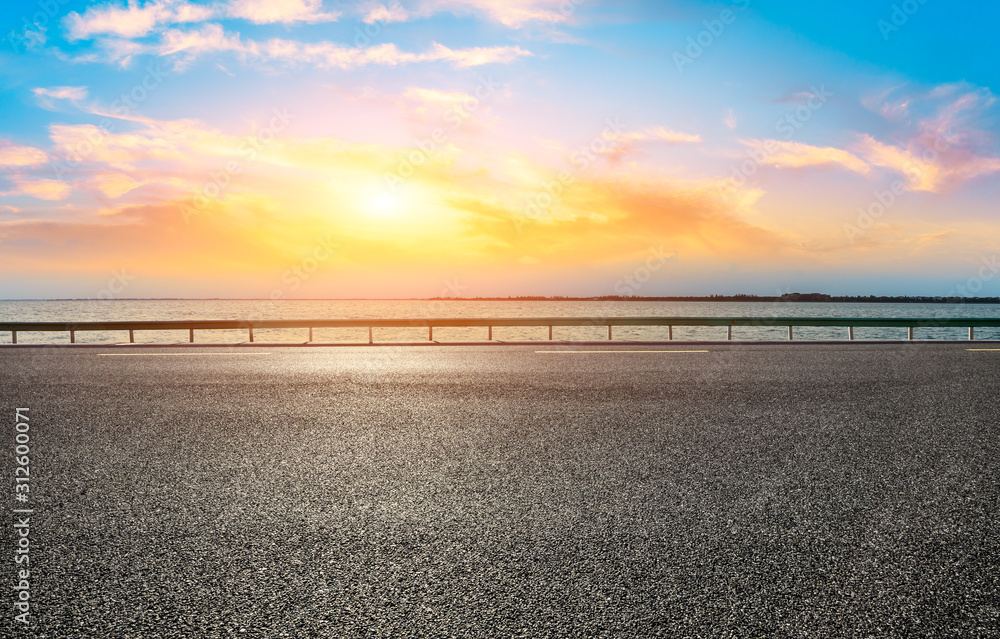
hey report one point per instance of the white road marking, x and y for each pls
(621, 351)
(170, 354)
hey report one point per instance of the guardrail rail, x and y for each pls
(489, 323)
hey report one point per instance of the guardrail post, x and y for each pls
(72, 337)
(850, 333)
(13, 337)
(430, 333)
(131, 336)
(371, 338)
(909, 333)
(191, 335)
(670, 332)
(972, 333)
(491, 333)
(550, 332)
(729, 334)
(789, 333)
(251, 333)
(310, 334)
(609, 332)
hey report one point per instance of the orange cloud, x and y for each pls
(624, 143)
(41, 189)
(114, 185)
(22, 156)
(786, 154)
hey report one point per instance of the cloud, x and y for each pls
(136, 20)
(283, 11)
(53, 190)
(211, 38)
(934, 171)
(427, 102)
(47, 95)
(133, 20)
(22, 156)
(888, 103)
(275, 201)
(941, 145)
(383, 14)
(730, 120)
(114, 185)
(626, 142)
(660, 134)
(794, 155)
(511, 13)
(62, 93)
(433, 96)
(475, 56)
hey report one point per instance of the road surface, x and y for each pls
(787, 490)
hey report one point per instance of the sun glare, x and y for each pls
(385, 205)
(379, 202)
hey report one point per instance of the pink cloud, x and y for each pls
(212, 38)
(381, 13)
(283, 11)
(74, 94)
(133, 20)
(511, 13)
(944, 147)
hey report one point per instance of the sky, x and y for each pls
(420, 148)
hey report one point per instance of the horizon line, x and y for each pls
(805, 297)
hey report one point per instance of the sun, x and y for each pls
(381, 202)
(385, 205)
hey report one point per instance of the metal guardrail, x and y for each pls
(431, 323)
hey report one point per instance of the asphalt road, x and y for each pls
(779, 490)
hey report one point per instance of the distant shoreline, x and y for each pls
(792, 297)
